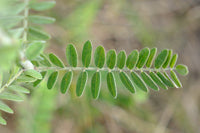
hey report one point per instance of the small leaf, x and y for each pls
(33, 74)
(11, 97)
(66, 82)
(71, 55)
(37, 82)
(99, 57)
(168, 77)
(95, 84)
(121, 59)
(175, 79)
(5, 108)
(157, 80)
(161, 58)
(111, 58)
(38, 34)
(45, 61)
(41, 6)
(165, 80)
(25, 78)
(132, 59)
(143, 57)
(86, 54)
(18, 88)
(152, 55)
(127, 82)
(2, 121)
(81, 83)
(138, 81)
(173, 60)
(41, 19)
(52, 80)
(149, 81)
(182, 69)
(111, 84)
(55, 60)
(165, 65)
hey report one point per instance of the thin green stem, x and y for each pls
(25, 24)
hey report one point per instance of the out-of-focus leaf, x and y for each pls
(121, 59)
(71, 55)
(2, 120)
(81, 83)
(26, 78)
(152, 55)
(33, 74)
(157, 80)
(18, 88)
(127, 82)
(10, 96)
(55, 60)
(5, 108)
(173, 60)
(167, 62)
(99, 57)
(86, 54)
(10, 21)
(35, 33)
(149, 81)
(111, 58)
(138, 81)
(111, 84)
(66, 82)
(161, 58)
(41, 19)
(96, 84)
(52, 80)
(37, 82)
(182, 69)
(132, 59)
(143, 57)
(41, 6)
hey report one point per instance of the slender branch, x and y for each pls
(25, 23)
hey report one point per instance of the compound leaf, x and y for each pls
(121, 59)
(66, 82)
(52, 80)
(143, 57)
(71, 55)
(81, 83)
(111, 84)
(86, 54)
(111, 58)
(99, 57)
(55, 60)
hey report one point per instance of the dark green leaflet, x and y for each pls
(99, 57)
(132, 59)
(143, 57)
(37, 82)
(71, 55)
(149, 81)
(111, 84)
(175, 79)
(161, 58)
(81, 83)
(37, 34)
(182, 69)
(121, 59)
(111, 59)
(96, 84)
(157, 80)
(138, 81)
(165, 80)
(173, 60)
(152, 55)
(52, 80)
(167, 62)
(66, 82)
(127, 82)
(45, 61)
(55, 60)
(168, 77)
(86, 54)
(18, 88)
(33, 74)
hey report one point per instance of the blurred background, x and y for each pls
(118, 24)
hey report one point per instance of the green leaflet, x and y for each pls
(81, 83)
(182, 69)
(34, 49)
(45, 61)
(96, 84)
(168, 77)
(37, 82)
(11, 97)
(33, 74)
(55, 60)
(111, 58)
(152, 55)
(167, 62)
(161, 58)
(173, 60)
(149, 81)
(41, 6)
(165, 80)
(41, 19)
(5, 108)
(18, 88)
(111, 84)
(127, 82)
(52, 80)
(143, 57)
(132, 59)
(175, 79)
(2, 121)
(66, 82)
(37, 34)
(86, 54)
(26, 78)
(71, 55)
(121, 59)
(138, 81)
(99, 57)
(157, 80)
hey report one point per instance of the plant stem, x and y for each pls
(25, 23)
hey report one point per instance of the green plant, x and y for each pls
(30, 65)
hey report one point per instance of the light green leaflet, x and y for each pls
(66, 82)
(55, 60)
(175, 79)
(37, 34)
(26, 78)
(127, 82)
(81, 83)
(99, 57)
(157, 80)
(41, 6)
(173, 60)
(165, 65)
(111, 84)
(182, 69)
(2, 121)
(41, 19)
(33, 73)
(152, 55)
(71, 55)
(5, 108)
(11, 97)
(161, 58)
(96, 84)
(34, 49)
(45, 61)
(143, 57)
(121, 59)
(165, 80)
(132, 59)
(37, 82)
(52, 80)
(138, 81)
(111, 58)
(149, 81)
(86, 54)
(18, 88)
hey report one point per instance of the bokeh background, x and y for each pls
(118, 24)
